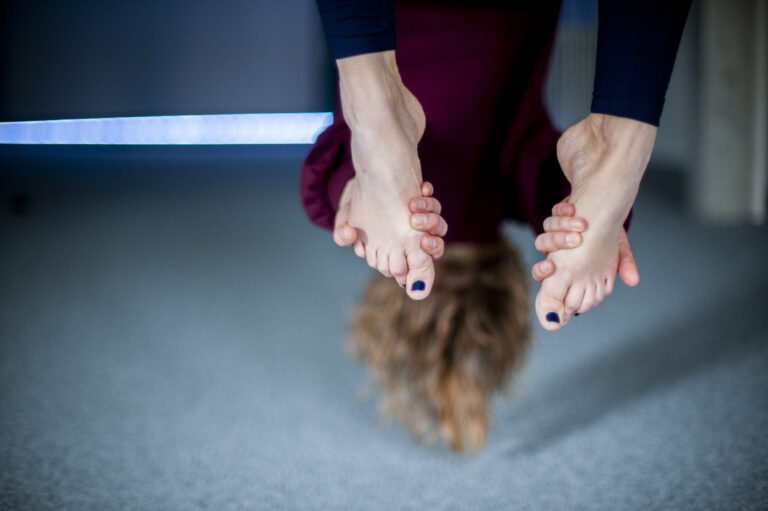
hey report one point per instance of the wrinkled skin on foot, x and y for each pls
(561, 231)
(386, 123)
(433, 228)
(557, 236)
(604, 157)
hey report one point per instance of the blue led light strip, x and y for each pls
(294, 128)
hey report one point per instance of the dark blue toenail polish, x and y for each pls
(419, 285)
(403, 286)
(577, 314)
(552, 317)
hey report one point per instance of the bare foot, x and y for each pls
(604, 157)
(435, 227)
(561, 231)
(386, 122)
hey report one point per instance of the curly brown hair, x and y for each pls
(440, 359)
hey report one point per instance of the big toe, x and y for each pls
(421, 274)
(550, 307)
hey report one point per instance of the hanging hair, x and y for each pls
(439, 360)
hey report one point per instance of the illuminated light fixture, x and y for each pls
(293, 128)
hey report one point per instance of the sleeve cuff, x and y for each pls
(341, 47)
(644, 110)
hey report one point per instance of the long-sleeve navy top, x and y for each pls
(636, 47)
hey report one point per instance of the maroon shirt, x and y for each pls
(489, 145)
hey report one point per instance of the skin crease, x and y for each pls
(604, 158)
(556, 227)
(377, 106)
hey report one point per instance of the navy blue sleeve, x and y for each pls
(637, 44)
(354, 27)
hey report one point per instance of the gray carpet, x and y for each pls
(171, 337)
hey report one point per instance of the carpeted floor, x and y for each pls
(171, 338)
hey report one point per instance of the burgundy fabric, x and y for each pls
(489, 145)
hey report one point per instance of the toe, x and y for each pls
(398, 267)
(550, 308)
(370, 256)
(608, 284)
(360, 249)
(421, 274)
(573, 299)
(382, 264)
(599, 292)
(588, 301)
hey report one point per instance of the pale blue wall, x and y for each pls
(106, 58)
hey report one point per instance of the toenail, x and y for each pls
(419, 220)
(403, 286)
(552, 317)
(577, 314)
(572, 239)
(419, 285)
(421, 204)
(431, 243)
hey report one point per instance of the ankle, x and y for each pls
(622, 136)
(369, 86)
(368, 66)
(374, 98)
